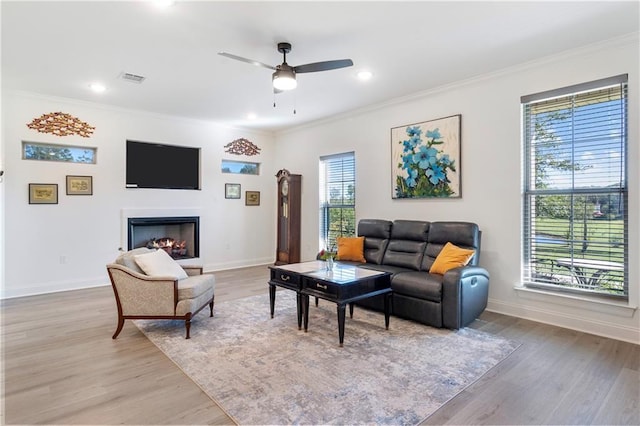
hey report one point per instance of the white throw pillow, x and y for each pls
(160, 264)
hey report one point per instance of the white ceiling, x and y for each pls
(59, 48)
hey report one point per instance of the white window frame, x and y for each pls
(337, 189)
(578, 262)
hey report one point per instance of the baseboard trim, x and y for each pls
(60, 286)
(224, 266)
(53, 287)
(565, 320)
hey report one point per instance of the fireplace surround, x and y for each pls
(144, 231)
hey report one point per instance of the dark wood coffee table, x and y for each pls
(290, 277)
(343, 285)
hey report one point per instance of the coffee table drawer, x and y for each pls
(321, 287)
(284, 277)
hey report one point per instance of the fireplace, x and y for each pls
(178, 236)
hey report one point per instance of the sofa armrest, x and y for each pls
(142, 295)
(192, 270)
(465, 291)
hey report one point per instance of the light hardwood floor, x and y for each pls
(61, 366)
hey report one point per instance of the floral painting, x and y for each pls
(426, 159)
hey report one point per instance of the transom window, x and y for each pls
(575, 188)
(240, 167)
(337, 198)
(54, 152)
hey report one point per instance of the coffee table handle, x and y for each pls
(284, 277)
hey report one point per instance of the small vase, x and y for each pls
(329, 264)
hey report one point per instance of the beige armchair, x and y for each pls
(140, 296)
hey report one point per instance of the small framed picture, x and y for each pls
(232, 190)
(43, 193)
(252, 198)
(79, 185)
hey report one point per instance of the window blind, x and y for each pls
(337, 198)
(575, 219)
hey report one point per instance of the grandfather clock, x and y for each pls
(289, 197)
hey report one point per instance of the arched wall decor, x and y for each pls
(61, 124)
(242, 146)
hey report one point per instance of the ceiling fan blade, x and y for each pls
(249, 61)
(323, 66)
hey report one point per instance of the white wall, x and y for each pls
(65, 246)
(87, 231)
(491, 176)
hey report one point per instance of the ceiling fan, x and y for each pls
(284, 77)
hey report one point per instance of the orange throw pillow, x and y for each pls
(451, 256)
(351, 248)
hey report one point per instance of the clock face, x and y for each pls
(285, 187)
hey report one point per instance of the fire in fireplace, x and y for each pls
(180, 240)
(173, 247)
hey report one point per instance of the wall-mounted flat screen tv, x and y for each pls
(153, 165)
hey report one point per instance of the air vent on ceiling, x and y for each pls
(132, 77)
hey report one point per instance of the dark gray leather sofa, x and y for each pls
(407, 249)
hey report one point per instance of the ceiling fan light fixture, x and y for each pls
(284, 80)
(284, 77)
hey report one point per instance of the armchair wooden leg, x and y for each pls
(187, 325)
(211, 306)
(119, 329)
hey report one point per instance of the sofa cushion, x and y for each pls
(374, 249)
(462, 234)
(374, 228)
(413, 230)
(159, 264)
(376, 233)
(384, 268)
(420, 285)
(405, 254)
(127, 259)
(350, 248)
(407, 244)
(451, 256)
(194, 286)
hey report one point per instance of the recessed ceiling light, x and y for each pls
(97, 87)
(163, 4)
(364, 75)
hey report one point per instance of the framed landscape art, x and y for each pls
(43, 193)
(252, 198)
(425, 159)
(79, 185)
(232, 190)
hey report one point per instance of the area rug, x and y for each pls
(265, 371)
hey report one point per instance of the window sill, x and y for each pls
(610, 307)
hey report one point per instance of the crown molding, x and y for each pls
(627, 39)
(123, 110)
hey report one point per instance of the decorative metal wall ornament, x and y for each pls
(242, 146)
(61, 124)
